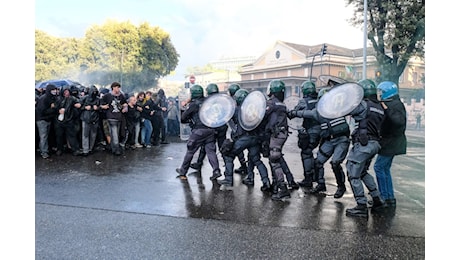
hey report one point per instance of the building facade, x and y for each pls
(293, 64)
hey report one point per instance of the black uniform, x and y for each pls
(242, 140)
(308, 140)
(200, 135)
(277, 128)
(369, 116)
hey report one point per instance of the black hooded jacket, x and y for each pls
(90, 116)
(68, 103)
(43, 109)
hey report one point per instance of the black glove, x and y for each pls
(292, 114)
(363, 139)
(226, 147)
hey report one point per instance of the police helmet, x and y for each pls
(368, 87)
(233, 88)
(240, 95)
(196, 91)
(308, 87)
(276, 86)
(212, 88)
(388, 88)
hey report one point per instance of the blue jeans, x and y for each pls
(114, 126)
(137, 131)
(43, 131)
(146, 132)
(89, 134)
(382, 168)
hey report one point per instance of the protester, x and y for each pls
(160, 118)
(146, 118)
(67, 121)
(45, 113)
(173, 118)
(90, 119)
(133, 118)
(393, 139)
(114, 104)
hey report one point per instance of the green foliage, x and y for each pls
(396, 29)
(116, 51)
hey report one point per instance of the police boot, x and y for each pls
(242, 170)
(196, 166)
(181, 173)
(307, 182)
(377, 205)
(292, 185)
(321, 187)
(249, 179)
(340, 191)
(265, 186)
(215, 174)
(282, 193)
(359, 211)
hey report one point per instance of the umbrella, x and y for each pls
(58, 83)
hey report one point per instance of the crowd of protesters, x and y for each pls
(81, 120)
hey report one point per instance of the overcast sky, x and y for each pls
(206, 30)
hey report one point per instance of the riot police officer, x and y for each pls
(368, 116)
(221, 131)
(309, 134)
(277, 128)
(200, 135)
(240, 141)
(334, 143)
(232, 89)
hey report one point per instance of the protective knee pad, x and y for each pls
(191, 145)
(275, 155)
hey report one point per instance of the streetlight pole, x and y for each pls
(365, 41)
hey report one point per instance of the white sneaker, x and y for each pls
(138, 145)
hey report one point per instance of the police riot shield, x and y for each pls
(252, 110)
(217, 110)
(330, 80)
(340, 100)
(291, 102)
(184, 97)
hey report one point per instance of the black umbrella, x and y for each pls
(58, 83)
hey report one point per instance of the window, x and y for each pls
(414, 77)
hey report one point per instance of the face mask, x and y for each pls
(54, 92)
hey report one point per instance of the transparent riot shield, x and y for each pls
(184, 96)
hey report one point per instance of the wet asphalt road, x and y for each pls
(133, 207)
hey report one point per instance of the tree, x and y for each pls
(116, 51)
(55, 57)
(396, 30)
